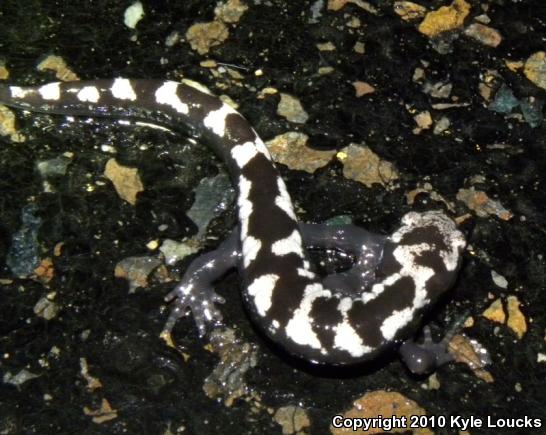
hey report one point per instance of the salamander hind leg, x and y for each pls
(196, 292)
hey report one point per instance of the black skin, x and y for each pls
(420, 358)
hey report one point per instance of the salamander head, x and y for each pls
(427, 247)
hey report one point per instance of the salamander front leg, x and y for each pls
(424, 358)
(368, 250)
(196, 292)
(366, 247)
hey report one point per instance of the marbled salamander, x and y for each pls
(342, 318)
